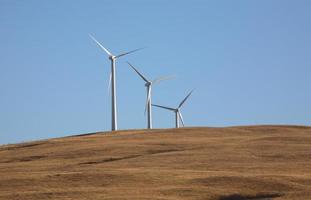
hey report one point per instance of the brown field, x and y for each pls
(235, 163)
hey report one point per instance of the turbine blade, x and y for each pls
(142, 76)
(157, 80)
(109, 83)
(181, 118)
(101, 46)
(148, 99)
(183, 101)
(167, 108)
(123, 54)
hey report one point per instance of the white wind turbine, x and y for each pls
(148, 85)
(178, 115)
(112, 81)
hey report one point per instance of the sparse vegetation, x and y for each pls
(236, 163)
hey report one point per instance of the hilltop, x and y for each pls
(234, 163)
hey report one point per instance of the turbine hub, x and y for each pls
(148, 84)
(112, 57)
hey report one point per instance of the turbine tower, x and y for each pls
(112, 81)
(148, 85)
(178, 115)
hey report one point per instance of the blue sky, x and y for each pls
(249, 62)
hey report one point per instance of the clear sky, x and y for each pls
(249, 62)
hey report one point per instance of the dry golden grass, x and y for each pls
(236, 163)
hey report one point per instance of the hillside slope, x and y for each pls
(236, 163)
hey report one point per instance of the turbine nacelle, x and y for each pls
(148, 84)
(112, 58)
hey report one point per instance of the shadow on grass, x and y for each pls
(250, 197)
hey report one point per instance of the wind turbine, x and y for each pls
(178, 115)
(112, 81)
(148, 85)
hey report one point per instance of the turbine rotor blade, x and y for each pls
(109, 83)
(101, 46)
(167, 108)
(157, 80)
(181, 118)
(183, 101)
(142, 76)
(148, 99)
(123, 54)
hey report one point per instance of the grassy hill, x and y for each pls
(235, 163)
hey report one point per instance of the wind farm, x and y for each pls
(148, 84)
(155, 100)
(262, 162)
